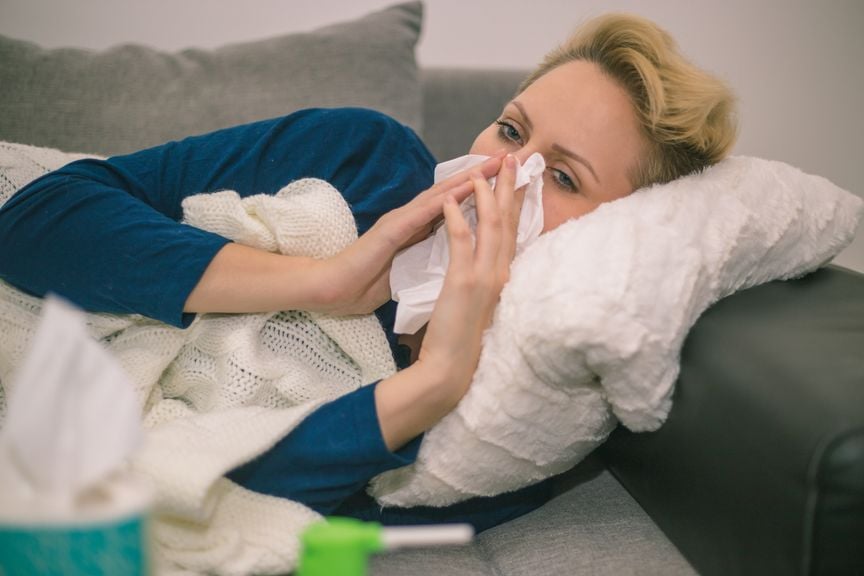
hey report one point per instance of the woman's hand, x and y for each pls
(475, 276)
(356, 280)
(417, 397)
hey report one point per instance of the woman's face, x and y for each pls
(583, 124)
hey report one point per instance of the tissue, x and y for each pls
(417, 273)
(73, 418)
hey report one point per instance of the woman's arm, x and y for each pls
(414, 399)
(106, 234)
(355, 281)
(79, 234)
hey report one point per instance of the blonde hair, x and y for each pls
(687, 115)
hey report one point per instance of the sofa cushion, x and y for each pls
(130, 97)
(591, 527)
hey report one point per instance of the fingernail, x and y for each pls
(510, 161)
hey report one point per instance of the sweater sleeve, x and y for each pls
(79, 233)
(327, 461)
(107, 234)
(329, 456)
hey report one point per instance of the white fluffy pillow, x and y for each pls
(590, 327)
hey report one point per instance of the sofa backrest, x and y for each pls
(129, 97)
(459, 103)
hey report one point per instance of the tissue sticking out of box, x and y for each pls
(73, 416)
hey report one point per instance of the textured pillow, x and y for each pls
(130, 97)
(589, 329)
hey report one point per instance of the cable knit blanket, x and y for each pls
(227, 388)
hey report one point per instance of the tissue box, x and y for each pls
(108, 539)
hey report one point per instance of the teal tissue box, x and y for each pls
(99, 548)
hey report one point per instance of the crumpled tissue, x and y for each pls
(73, 422)
(417, 273)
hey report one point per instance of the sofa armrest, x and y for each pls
(459, 103)
(760, 466)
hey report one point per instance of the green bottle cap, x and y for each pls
(338, 547)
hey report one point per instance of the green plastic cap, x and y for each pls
(338, 547)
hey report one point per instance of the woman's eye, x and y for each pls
(563, 180)
(508, 132)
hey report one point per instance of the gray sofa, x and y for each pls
(760, 467)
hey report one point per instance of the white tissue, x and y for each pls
(73, 416)
(417, 273)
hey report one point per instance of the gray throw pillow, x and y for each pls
(130, 97)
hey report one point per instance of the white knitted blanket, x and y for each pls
(227, 388)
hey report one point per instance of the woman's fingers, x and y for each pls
(459, 185)
(482, 255)
(488, 168)
(510, 204)
(459, 236)
(414, 221)
(489, 224)
(509, 200)
(504, 186)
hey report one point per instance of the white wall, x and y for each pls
(796, 65)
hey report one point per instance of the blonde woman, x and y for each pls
(615, 108)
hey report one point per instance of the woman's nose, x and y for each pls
(523, 153)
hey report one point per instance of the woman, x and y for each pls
(614, 109)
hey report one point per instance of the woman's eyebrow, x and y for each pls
(569, 153)
(557, 147)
